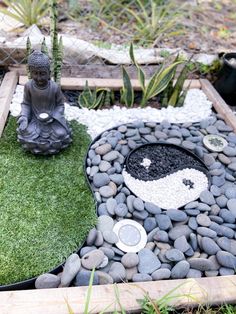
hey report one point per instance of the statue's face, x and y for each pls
(40, 76)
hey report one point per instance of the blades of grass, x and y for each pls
(89, 293)
(144, 10)
(98, 100)
(129, 99)
(117, 295)
(69, 308)
(141, 75)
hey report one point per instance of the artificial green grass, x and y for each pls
(46, 207)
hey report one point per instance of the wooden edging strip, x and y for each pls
(218, 103)
(212, 290)
(77, 83)
(7, 89)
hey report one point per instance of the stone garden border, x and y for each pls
(210, 290)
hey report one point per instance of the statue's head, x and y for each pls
(39, 67)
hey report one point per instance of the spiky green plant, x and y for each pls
(27, 12)
(28, 52)
(127, 91)
(92, 99)
(44, 48)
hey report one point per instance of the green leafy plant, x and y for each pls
(95, 99)
(154, 20)
(158, 82)
(27, 12)
(127, 91)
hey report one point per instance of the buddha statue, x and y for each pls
(42, 127)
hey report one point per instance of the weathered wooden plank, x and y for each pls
(7, 89)
(212, 290)
(115, 84)
(218, 103)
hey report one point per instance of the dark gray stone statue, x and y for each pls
(42, 128)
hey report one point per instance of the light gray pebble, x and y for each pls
(231, 204)
(104, 278)
(96, 160)
(110, 236)
(105, 223)
(94, 170)
(83, 278)
(201, 264)
(85, 249)
(181, 244)
(163, 221)
(106, 191)
(192, 212)
(152, 208)
(99, 239)
(228, 245)
(140, 215)
(130, 260)
(138, 204)
(176, 215)
(211, 273)
(121, 210)
(104, 166)
(209, 246)
(203, 207)
(130, 199)
(125, 191)
(194, 273)
(193, 241)
(192, 223)
(230, 192)
(100, 179)
(160, 135)
(221, 201)
(161, 236)
(148, 261)
(226, 259)
(160, 274)
(214, 210)
(111, 205)
(207, 197)
(206, 232)
(226, 215)
(203, 220)
(208, 159)
(178, 231)
(191, 205)
(216, 219)
(92, 259)
(103, 149)
(149, 224)
(71, 268)
(224, 271)
(215, 190)
(229, 151)
(120, 198)
(47, 281)
(108, 252)
(91, 236)
(224, 159)
(141, 277)
(117, 272)
(117, 178)
(151, 234)
(174, 255)
(180, 270)
(218, 180)
(174, 140)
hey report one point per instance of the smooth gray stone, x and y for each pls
(121, 210)
(204, 123)
(110, 236)
(175, 133)
(130, 272)
(125, 191)
(160, 135)
(125, 150)
(92, 259)
(232, 138)
(144, 131)
(212, 129)
(104, 166)
(214, 209)
(122, 128)
(106, 191)
(176, 215)
(165, 124)
(148, 261)
(230, 192)
(91, 236)
(174, 140)
(138, 204)
(151, 234)
(192, 223)
(194, 273)
(215, 190)
(189, 252)
(207, 197)
(231, 204)
(113, 155)
(188, 145)
(130, 260)
(117, 272)
(105, 223)
(193, 241)
(140, 215)
(96, 160)
(83, 278)
(199, 151)
(163, 221)
(211, 273)
(228, 245)
(227, 216)
(229, 151)
(152, 208)
(117, 251)
(104, 278)
(181, 244)
(232, 166)
(112, 170)
(216, 165)
(224, 159)
(108, 252)
(206, 232)
(102, 210)
(131, 132)
(162, 273)
(166, 266)
(224, 271)
(201, 264)
(222, 201)
(203, 220)
(71, 268)
(94, 170)
(132, 144)
(178, 231)
(111, 205)
(222, 230)
(185, 132)
(117, 166)
(91, 153)
(141, 277)
(216, 265)
(120, 198)
(86, 249)
(209, 246)
(161, 236)
(216, 219)
(192, 212)
(191, 205)
(218, 181)
(180, 270)
(217, 172)
(130, 199)
(100, 179)
(150, 138)
(208, 159)
(103, 149)
(149, 224)
(117, 178)
(204, 207)
(226, 259)
(46, 281)
(174, 255)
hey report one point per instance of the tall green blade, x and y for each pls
(129, 95)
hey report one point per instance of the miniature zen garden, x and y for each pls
(111, 186)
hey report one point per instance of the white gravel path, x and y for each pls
(196, 107)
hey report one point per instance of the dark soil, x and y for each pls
(165, 159)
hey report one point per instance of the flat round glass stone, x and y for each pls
(132, 236)
(214, 143)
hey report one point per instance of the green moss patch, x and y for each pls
(46, 207)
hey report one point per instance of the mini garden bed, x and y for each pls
(221, 288)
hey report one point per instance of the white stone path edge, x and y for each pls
(196, 108)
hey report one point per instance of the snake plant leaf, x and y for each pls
(128, 91)
(131, 54)
(141, 75)
(97, 100)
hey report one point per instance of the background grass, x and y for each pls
(46, 207)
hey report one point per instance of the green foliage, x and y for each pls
(158, 82)
(46, 209)
(154, 20)
(27, 12)
(95, 99)
(127, 91)
(28, 52)
(44, 48)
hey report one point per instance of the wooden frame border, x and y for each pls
(212, 290)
